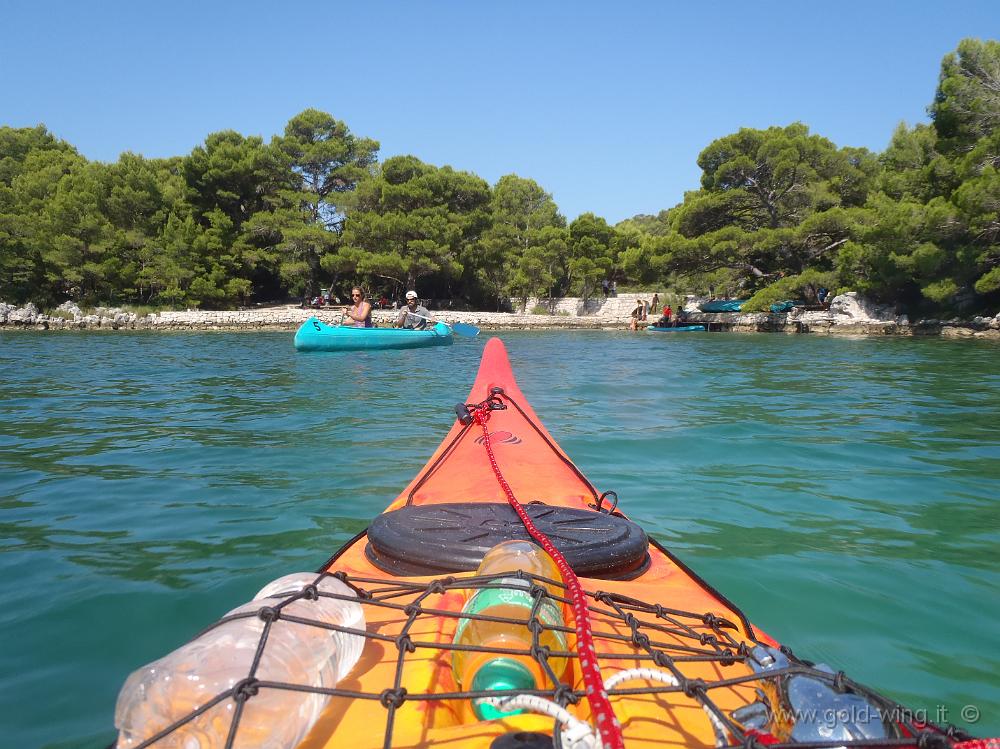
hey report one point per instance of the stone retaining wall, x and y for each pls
(619, 306)
(269, 318)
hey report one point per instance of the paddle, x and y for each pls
(463, 329)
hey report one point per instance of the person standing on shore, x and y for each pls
(413, 316)
(639, 313)
(360, 312)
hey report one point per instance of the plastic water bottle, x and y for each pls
(809, 709)
(479, 671)
(166, 690)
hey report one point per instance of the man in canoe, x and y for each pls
(413, 316)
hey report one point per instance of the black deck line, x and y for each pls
(709, 588)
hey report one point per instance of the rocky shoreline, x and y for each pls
(848, 314)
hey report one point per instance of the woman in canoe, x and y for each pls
(359, 314)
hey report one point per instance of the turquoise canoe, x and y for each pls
(315, 335)
(678, 329)
(723, 305)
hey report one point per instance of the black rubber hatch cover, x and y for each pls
(446, 538)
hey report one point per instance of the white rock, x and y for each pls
(70, 307)
(26, 315)
(853, 308)
(817, 317)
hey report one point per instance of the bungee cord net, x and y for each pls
(648, 650)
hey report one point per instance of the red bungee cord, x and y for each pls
(604, 715)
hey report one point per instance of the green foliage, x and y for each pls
(966, 105)
(912, 167)
(17, 144)
(509, 257)
(918, 225)
(776, 177)
(773, 203)
(591, 253)
(940, 291)
(647, 225)
(779, 212)
(231, 173)
(304, 229)
(989, 282)
(803, 286)
(541, 267)
(415, 221)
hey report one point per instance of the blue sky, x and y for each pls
(605, 105)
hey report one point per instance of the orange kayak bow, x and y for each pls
(682, 666)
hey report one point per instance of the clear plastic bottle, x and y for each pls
(476, 671)
(806, 708)
(166, 690)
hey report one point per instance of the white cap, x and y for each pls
(411, 295)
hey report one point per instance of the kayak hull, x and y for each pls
(315, 335)
(677, 329)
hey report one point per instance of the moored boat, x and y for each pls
(315, 335)
(681, 665)
(786, 306)
(676, 328)
(722, 305)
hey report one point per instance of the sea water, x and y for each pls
(844, 492)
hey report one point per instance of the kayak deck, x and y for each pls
(699, 654)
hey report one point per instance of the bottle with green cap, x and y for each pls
(482, 671)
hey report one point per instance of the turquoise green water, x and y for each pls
(844, 492)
